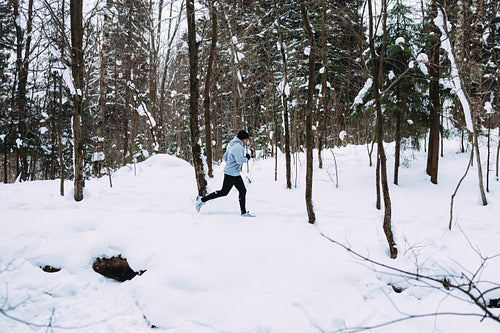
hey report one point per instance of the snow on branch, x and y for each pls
(68, 79)
(143, 111)
(362, 92)
(440, 22)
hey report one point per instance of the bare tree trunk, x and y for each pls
(171, 37)
(53, 138)
(308, 113)
(99, 157)
(285, 100)
(498, 153)
(462, 146)
(378, 203)
(59, 136)
(77, 70)
(206, 94)
(488, 158)
(377, 81)
(126, 120)
(240, 101)
(22, 64)
(397, 152)
(370, 151)
(193, 100)
(154, 45)
(130, 113)
(476, 84)
(479, 170)
(433, 151)
(59, 116)
(5, 161)
(322, 113)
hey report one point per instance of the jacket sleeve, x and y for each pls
(239, 155)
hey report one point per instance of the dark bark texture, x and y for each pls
(193, 100)
(309, 107)
(77, 70)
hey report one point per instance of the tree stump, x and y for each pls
(116, 268)
(50, 269)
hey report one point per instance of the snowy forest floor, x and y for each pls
(215, 271)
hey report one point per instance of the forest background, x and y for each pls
(296, 75)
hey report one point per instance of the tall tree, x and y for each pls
(21, 100)
(402, 97)
(477, 87)
(193, 100)
(434, 46)
(309, 112)
(377, 70)
(7, 39)
(324, 88)
(208, 85)
(285, 95)
(469, 38)
(77, 69)
(99, 156)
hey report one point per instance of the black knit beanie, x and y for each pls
(242, 135)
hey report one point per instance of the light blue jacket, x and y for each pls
(234, 157)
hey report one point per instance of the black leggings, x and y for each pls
(229, 182)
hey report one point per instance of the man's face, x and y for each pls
(245, 141)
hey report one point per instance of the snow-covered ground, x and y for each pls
(215, 271)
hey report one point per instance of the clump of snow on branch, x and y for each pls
(68, 79)
(421, 60)
(457, 84)
(489, 108)
(342, 135)
(363, 91)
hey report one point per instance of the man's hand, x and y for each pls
(248, 156)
